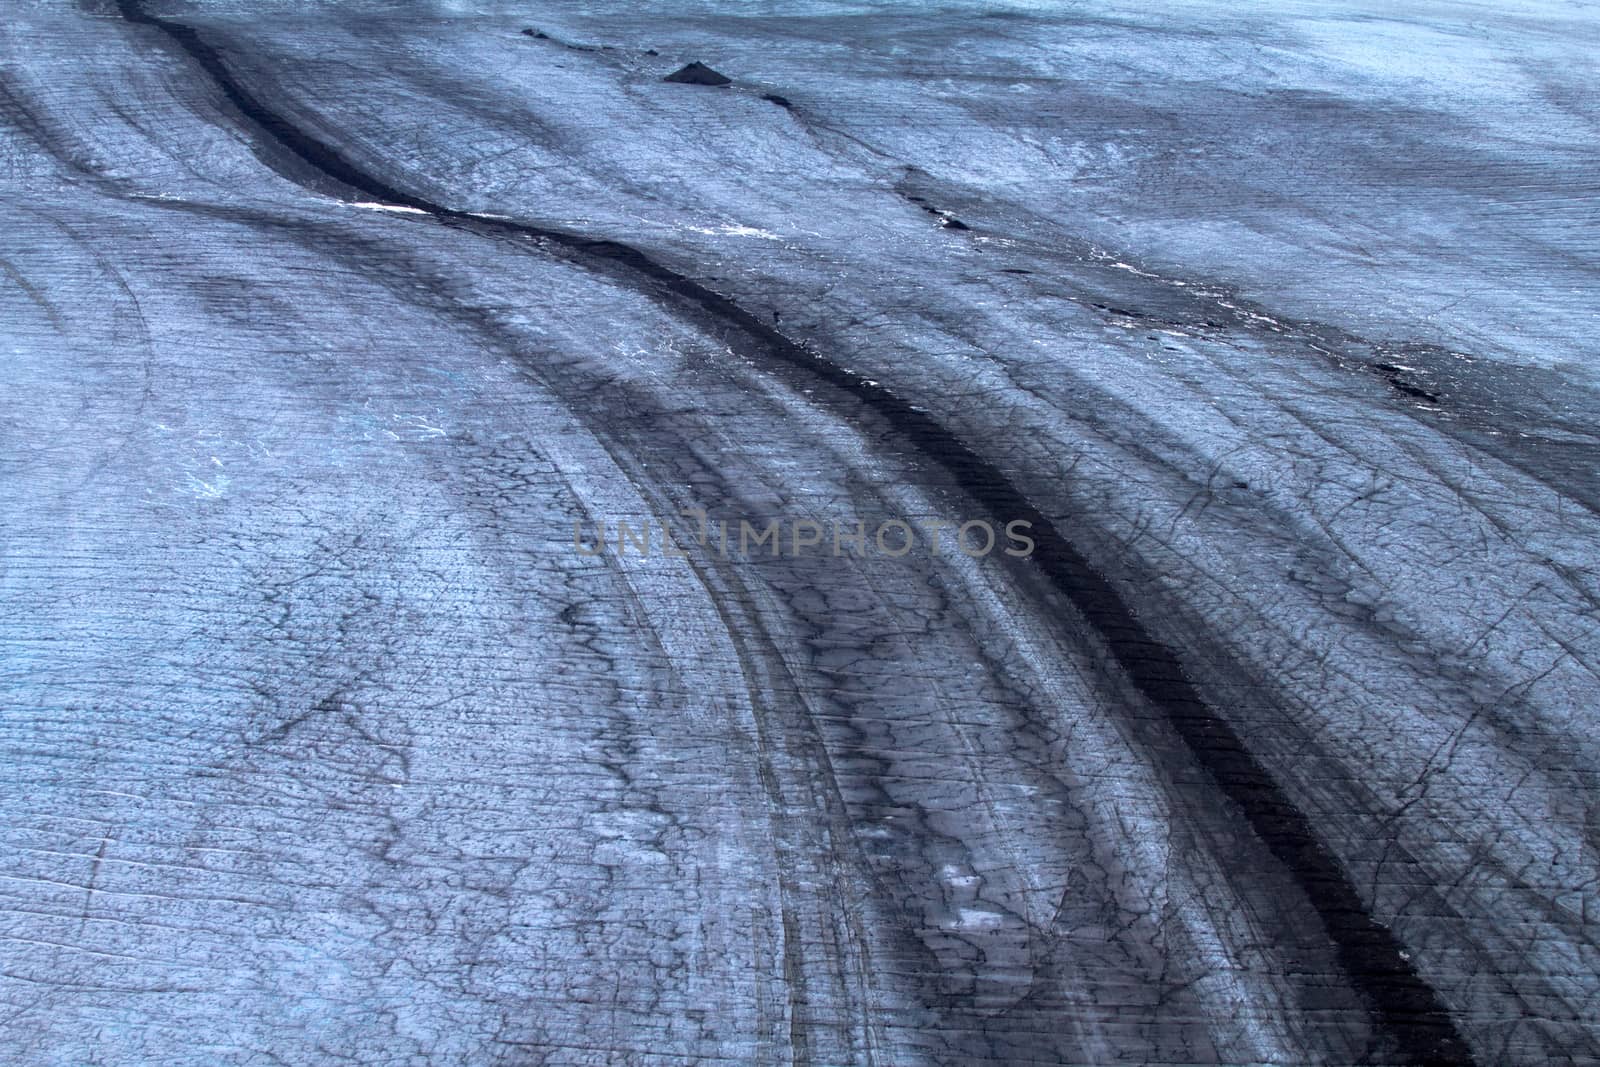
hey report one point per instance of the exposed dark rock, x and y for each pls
(697, 73)
(1398, 380)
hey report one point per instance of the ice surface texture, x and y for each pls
(326, 323)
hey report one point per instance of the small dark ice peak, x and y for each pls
(697, 73)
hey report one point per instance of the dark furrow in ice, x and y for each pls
(1403, 1005)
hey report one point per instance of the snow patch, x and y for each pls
(374, 205)
(736, 231)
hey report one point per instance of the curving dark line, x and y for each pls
(1403, 1006)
